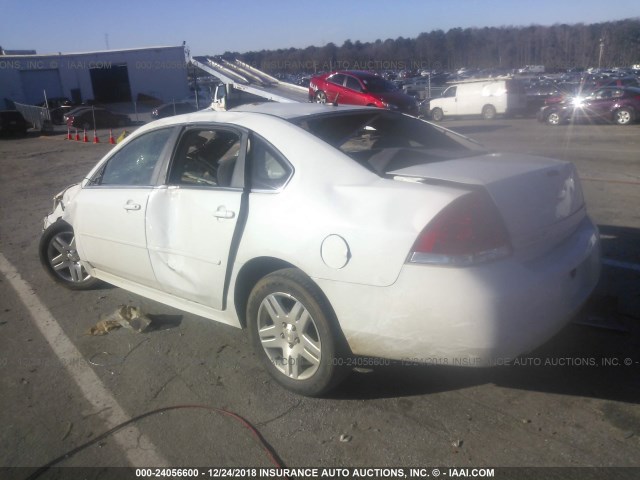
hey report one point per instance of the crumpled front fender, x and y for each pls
(62, 205)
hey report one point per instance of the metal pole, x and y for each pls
(173, 100)
(195, 83)
(93, 114)
(600, 55)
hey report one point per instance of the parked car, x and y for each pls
(58, 113)
(329, 232)
(614, 104)
(12, 122)
(83, 117)
(353, 87)
(487, 98)
(170, 109)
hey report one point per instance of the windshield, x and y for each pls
(386, 141)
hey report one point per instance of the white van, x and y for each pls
(480, 97)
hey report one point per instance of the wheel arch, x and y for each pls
(486, 107)
(250, 273)
(257, 268)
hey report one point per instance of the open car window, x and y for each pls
(384, 141)
(205, 157)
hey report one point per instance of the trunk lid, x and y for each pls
(540, 199)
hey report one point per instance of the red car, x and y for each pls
(352, 87)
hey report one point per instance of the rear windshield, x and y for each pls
(384, 141)
(378, 85)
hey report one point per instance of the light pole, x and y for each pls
(600, 55)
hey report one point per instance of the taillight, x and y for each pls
(466, 232)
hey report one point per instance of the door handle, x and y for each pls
(222, 212)
(132, 206)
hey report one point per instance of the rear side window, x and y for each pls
(269, 169)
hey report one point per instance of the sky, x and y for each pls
(211, 27)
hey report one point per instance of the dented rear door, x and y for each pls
(192, 219)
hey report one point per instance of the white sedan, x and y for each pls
(333, 233)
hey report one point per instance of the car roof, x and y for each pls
(289, 111)
(358, 73)
(250, 114)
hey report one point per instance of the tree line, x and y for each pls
(557, 47)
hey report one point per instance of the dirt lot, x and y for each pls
(564, 407)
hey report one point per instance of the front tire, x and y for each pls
(320, 97)
(553, 118)
(295, 334)
(59, 257)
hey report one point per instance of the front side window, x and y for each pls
(338, 79)
(135, 163)
(205, 157)
(450, 92)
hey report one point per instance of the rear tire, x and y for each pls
(437, 114)
(623, 116)
(294, 332)
(488, 112)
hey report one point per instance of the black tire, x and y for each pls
(553, 118)
(301, 326)
(488, 112)
(60, 259)
(320, 97)
(624, 116)
(437, 114)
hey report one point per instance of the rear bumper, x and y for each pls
(475, 316)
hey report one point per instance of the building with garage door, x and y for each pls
(105, 77)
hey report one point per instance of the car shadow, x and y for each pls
(581, 361)
(596, 355)
(160, 322)
(620, 243)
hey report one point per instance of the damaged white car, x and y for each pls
(331, 232)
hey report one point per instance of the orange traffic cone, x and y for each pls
(84, 138)
(77, 136)
(112, 141)
(69, 137)
(95, 137)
